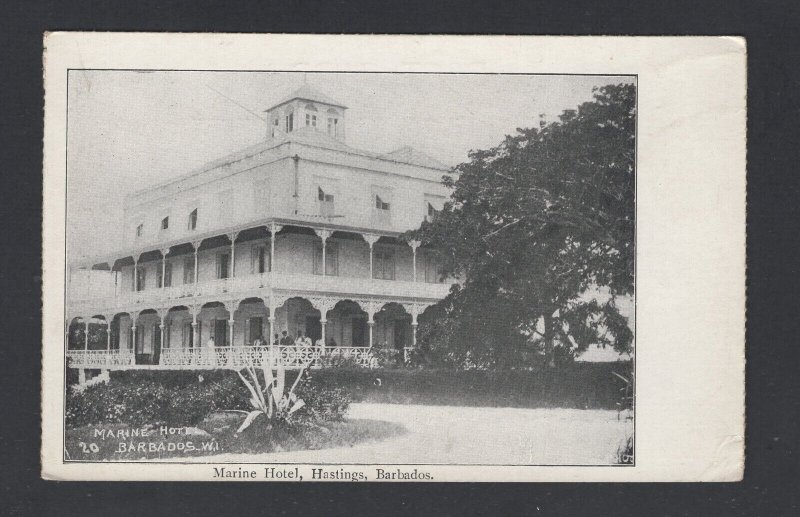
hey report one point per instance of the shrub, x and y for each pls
(182, 399)
(141, 404)
(324, 403)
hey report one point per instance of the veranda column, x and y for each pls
(136, 259)
(414, 245)
(324, 235)
(86, 334)
(273, 230)
(371, 239)
(324, 305)
(413, 332)
(108, 333)
(164, 268)
(231, 307)
(196, 246)
(414, 325)
(133, 338)
(232, 236)
(270, 319)
(231, 310)
(370, 320)
(195, 328)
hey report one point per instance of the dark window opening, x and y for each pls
(192, 220)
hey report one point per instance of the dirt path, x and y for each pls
(448, 434)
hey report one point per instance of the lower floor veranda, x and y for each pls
(234, 333)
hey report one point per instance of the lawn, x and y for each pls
(119, 442)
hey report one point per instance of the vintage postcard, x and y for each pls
(393, 258)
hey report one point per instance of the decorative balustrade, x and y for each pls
(100, 358)
(236, 357)
(246, 284)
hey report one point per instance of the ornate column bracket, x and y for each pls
(371, 238)
(162, 313)
(323, 304)
(231, 305)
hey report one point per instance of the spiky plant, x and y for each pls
(270, 400)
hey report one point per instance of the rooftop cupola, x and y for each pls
(307, 109)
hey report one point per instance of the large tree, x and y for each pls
(532, 226)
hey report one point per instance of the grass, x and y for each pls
(103, 443)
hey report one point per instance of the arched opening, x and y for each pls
(393, 330)
(296, 320)
(252, 323)
(178, 332)
(212, 325)
(147, 337)
(76, 337)
(347, 325)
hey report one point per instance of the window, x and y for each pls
(139, 230)
(383, 263)
(167, 277)
(141, 278)
(331, 259)
(223, 265)
(326, 202)
(192, 225)
(380, 204)
(289, 122)
(430, 212)
(432, 204)
(311, 120)
(188, 270)
(259, 259)
(165, 223)
(333, 126)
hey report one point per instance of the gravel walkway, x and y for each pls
(471, 435)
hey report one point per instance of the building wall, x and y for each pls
(243, 194)
(255, 189)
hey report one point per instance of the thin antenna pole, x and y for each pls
(259, 117)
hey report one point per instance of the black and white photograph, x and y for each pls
(350, 268)
(358, 273)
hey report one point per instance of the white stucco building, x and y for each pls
(299, 233)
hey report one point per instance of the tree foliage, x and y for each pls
(532, 226)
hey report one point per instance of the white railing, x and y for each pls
(100, 358)
(287, 281)
(363, 356)
(240, 356)
(227, 357)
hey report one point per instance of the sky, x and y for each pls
(128, 130)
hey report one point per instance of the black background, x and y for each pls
(773, 334)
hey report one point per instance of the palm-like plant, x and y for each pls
(270, 400)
